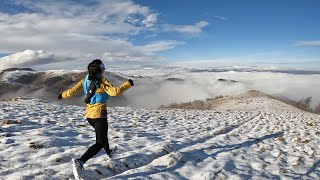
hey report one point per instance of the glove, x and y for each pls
(60, 96)
(131, 82)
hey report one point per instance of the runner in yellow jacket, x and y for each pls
(98, 109)
(97, 90)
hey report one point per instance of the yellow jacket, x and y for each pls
(98, 110)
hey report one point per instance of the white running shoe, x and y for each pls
(77, 166)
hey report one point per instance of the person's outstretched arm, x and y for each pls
(72, 91)
(115, 91)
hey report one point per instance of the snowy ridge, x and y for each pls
(162, 144)
(254, 101)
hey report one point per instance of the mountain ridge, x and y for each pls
(252, 100)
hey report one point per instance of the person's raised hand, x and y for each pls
(60, 96)
(131, 82)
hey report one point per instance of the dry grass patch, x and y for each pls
(6, 121)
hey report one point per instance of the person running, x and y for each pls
(97, 90)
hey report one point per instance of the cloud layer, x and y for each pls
(189, 29)
(29, 58)
(94, 29)
(308, 43)
(199, 86)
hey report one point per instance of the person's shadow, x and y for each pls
(312, 169)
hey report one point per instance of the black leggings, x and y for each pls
(101, 128)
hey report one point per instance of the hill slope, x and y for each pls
(251, 100)
(162, 144)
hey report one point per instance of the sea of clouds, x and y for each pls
(166, 84)
(187, 86)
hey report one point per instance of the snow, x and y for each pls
(237, 140)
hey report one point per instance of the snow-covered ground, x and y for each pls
(247, 143)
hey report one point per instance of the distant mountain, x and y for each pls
(227, 80)
(175, 79)
(48, 84)
(16, 69)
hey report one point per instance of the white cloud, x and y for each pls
(99, 28)
(221, 18)
(39, 59)
(141, 53)
(188, 29)
(30, 58)
(150, 20)
(159, 46)
(122, 56)
(308, 43)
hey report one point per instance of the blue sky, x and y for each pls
(153, 31)
(264, 28)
